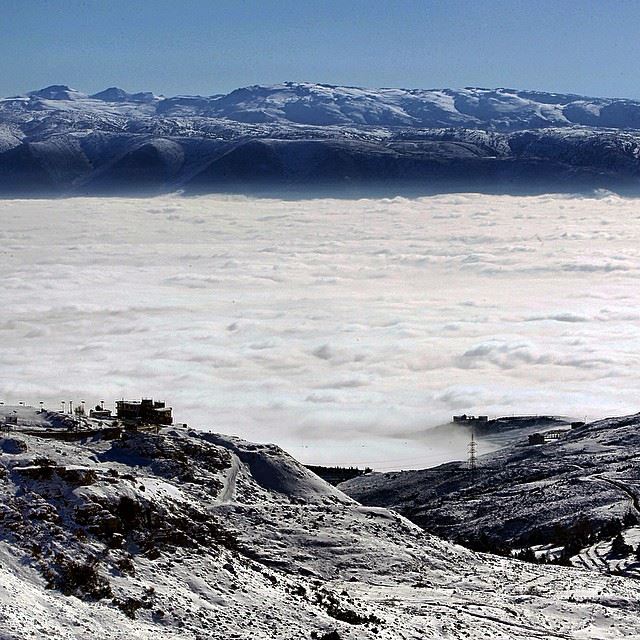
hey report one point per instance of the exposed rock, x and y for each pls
(13, 445)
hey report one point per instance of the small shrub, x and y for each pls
(126, 566)
(79, 578)
(130, 606)
(619, 547)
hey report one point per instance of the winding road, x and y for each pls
(228, 493)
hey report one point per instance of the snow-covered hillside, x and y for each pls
(191, 535)
(58, 140)
(576, 493)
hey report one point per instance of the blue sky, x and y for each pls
(213, 46)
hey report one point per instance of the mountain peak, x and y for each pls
(115, 94)
(57, 92)
(112, 94)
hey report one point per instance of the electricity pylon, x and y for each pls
(472, 455)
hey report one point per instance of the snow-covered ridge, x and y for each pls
(59, 141)
(321, 105)
(187, 535)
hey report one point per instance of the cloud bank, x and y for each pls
(341, 330)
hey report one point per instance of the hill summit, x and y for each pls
(188, 534)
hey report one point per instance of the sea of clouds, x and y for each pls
(340, 329)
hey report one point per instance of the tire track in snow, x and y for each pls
(635, 501)
(591, 558)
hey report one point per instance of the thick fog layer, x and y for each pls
(341, 330)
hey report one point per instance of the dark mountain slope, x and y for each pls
(305, 135)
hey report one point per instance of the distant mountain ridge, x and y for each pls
(321, 105)
(59, 140)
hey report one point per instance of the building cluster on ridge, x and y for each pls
(470, 420)
(541, 437)
(129, 414)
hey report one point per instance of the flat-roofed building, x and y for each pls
(145, 411)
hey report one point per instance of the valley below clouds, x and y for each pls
(342, 330)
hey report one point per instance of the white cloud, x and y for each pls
(341, 329)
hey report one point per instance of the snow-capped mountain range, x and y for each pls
(59, 140)
(326, 105)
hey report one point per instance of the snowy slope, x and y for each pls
(580, 489)
(194, 535)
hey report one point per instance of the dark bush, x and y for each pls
(130, 606)
(79, 578)
(619, 547)
(128, 511)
